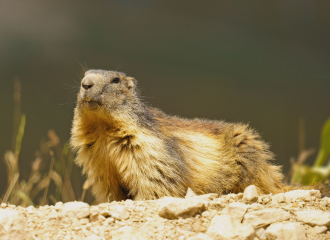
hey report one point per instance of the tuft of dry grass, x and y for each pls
(50, 175)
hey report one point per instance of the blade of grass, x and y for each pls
(49, 176)
(10, 188)
(324, 151)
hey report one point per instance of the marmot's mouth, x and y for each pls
(91, 104)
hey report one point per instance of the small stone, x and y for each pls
(3, 205)
(110, 220)
(224, 227)
(250, 194)
(286, 231)
(101, 218)
(197, 226)
(265, 217)
(314, 217)
(76, 209)
(58, 205)
(320, 229)
(278, 198)
(302, 195)
(190, 193)
(182, 208)
(236, 210)
(30, 209)
(206, 214)
(200, 236)
(261, 233)
(119, 213)
(84, 221)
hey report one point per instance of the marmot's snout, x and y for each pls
(91, 90)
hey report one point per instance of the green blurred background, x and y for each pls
(262, 62)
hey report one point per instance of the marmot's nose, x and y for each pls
(87, 82)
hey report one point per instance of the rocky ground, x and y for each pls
(299, 214)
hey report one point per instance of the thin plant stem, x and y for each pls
(49, 173)
(10, 188)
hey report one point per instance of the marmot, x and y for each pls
(131, 151)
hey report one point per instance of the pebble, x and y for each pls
(119, 213)
(302, 195)
(182, 208)
(236, 210)
(250, 194)
(286, 231)
(224, 227)
(265, 217)
(3, 205)
(278, 198)
(314, 217)
(76, 209)
(320, 229)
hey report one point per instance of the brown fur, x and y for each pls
(129, 150)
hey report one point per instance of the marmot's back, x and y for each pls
(131, 151)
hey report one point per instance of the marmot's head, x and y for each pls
(107, 90)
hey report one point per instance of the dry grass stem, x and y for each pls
(10, 188)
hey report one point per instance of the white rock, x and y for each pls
(278, 198)
(320, 229)
(261, 233)
(236, 210)
(250, 194)
(182, 208)
(200, 236)
(119, 213)
(190, 193)
(76, 209)
(224, 227)
(286, 231)
(265, 217)
(302, 195)
(59, 205)
(3, 205)
(314, 217)
(13, 225)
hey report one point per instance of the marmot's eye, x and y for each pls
(115, 80)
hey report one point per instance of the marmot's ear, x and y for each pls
(132, 82)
